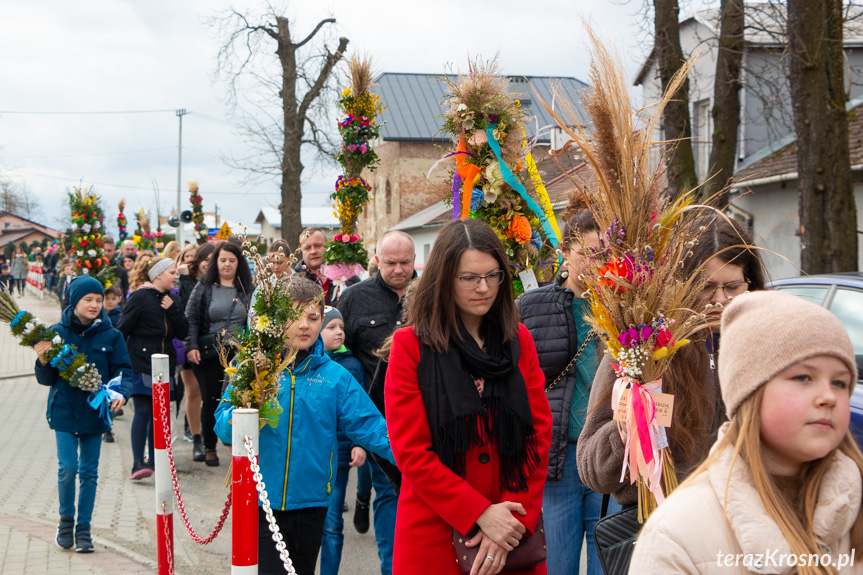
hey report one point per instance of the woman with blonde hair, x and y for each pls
(781, 489)
(138, 274)
(171, 251)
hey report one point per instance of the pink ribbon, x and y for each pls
(642, 429)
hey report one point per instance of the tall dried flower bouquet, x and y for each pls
(641, 300)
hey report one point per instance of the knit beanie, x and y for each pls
(81, 286)
(766, 332)
(331, 313)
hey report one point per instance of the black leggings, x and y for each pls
(20, 285)
(210, 375)
(142, 427)
(302, 529)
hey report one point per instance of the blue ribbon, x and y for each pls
(98, 400)
(513, 182)
(17, 319)
(66, 355)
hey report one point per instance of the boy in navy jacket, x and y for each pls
(77, 426)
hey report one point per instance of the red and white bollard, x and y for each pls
(162, 440)
(244, 518)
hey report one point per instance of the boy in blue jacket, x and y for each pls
(299, 458)
(77, 426)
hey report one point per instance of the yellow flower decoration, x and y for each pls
(261, 322)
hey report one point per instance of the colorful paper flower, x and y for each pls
(519, 229)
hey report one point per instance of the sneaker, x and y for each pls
(198, 451)
(119, 413)
(108, 436)
(151, 464)
(345, 507)
(187, 432)
(83, 542)
(361, 515)
(140, 471)
(65, 534)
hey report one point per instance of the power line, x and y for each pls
(93, 154)
(53, 113)
(131, 187)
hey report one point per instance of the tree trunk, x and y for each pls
(828, 214)
(675, 120)
(726, 101)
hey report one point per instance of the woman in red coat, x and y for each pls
(469, 423)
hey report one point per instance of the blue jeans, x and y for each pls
(334, 538)
(364, 481)
(85, 465)
(570, 513)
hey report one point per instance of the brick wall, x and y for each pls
(404, 165)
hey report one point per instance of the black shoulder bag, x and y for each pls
(615, 537)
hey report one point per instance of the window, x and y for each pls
(701, 137)
(388, 193)
(426, 251)
(815, 294)
(847, 305)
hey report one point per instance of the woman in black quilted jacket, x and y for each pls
(569, 357)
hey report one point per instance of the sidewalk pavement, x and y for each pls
(123, 526)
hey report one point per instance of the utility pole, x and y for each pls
(180, 240)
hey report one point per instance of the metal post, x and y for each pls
(244, 518)
(162, 439)
(180, 113)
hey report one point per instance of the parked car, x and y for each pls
(842, 294)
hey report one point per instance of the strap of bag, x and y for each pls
(574, 359)
(605, 499)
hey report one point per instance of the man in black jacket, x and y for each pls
(371, 311)
(312, 246)
(117, 267)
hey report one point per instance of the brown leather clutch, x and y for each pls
(530, 551)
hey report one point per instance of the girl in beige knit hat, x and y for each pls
(781, 489)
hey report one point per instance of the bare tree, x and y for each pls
(828, 214)
(675, 119)
(278, 137)
(10, 200)
(31, 208)
(726, 102)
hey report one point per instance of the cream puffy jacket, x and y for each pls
(693, 532)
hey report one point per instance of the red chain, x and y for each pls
(167, 539)
(221, 523)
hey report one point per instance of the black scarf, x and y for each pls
(460, 419)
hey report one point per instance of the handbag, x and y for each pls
(530, 551)
(210, 344)
(615, 538)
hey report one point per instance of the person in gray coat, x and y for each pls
(19, 270)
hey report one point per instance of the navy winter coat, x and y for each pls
(346, 359)
(103, 345)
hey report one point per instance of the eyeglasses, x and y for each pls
(729, 290)
(472, 282)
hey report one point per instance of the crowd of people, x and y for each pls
(478, 419)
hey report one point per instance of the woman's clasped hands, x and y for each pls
(499, 533)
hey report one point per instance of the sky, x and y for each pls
(158, 56)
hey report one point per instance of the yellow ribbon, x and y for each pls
(541, 192)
